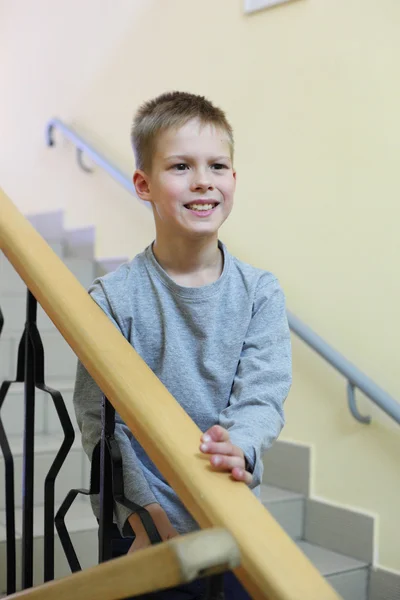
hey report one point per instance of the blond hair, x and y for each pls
(172, 110)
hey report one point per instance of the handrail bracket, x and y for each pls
(353, 406)
(79, 153)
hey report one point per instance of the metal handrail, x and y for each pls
(355, 377)
(83, 146)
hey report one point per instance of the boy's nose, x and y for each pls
(202, 181)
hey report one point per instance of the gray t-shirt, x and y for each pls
(222, 350)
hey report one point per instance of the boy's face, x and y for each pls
(192, 181)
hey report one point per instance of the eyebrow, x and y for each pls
(187, 157)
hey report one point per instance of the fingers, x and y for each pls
(234, 464)
(216, 441)
(216, 433)
(225, 456)
(226, 463)
(221, 448)
(242, 475)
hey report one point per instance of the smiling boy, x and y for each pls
(212, 328)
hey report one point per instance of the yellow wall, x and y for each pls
(312, 89)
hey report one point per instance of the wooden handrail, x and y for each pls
(165, 565)
(272, 567)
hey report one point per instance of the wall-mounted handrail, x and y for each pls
(272, 566)
(355, 377)
(83, 146)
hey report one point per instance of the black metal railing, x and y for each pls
(9, 490)
(106, 473)
(107, 480)
(30, 372)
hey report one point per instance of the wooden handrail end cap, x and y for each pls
(205, 553)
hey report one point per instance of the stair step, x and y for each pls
(80, 242)
(106, 265)
(328, 562)
(13, 295)
(286, 507)
(8, 352)
(46, 419)
(82, 527)
(59, 359)
(50, 225)
(347, 575)
(80, 517)
(9, 278)
(74, 472)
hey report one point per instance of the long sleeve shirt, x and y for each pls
(222, 350)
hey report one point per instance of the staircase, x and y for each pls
(338, 541)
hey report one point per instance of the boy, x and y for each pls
(213, 329)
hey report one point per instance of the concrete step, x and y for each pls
(46, 419)
(82, 527)
(77, 242)
(9, 278)
(59, 359)
(13, 296)
(8, 352)
(74, 473)
(347, 575)
(286, 507)
(106, 265)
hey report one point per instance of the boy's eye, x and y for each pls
(185, 166)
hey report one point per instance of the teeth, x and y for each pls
(201, 206)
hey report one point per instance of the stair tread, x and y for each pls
(79, 518)
(56, 383)
(11, 283)
(328, 562)
(44, 442)
(59, 385)
(270, 493)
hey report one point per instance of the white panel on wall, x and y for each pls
(253, 5)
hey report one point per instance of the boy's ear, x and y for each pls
(141, 183)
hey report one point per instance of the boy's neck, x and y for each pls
(190, 263)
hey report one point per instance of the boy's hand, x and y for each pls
(161, 522)
(225, 456)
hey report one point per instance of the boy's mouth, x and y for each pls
(202, 205)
